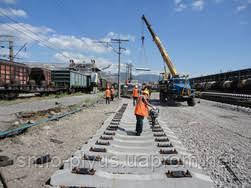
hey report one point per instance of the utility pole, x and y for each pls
(11, 53)
(128, 71)
(118, 41)
(9, 39)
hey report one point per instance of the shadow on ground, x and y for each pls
(129, 133)
(156, 102)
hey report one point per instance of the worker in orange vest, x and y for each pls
(141, 111)
(112, 93)
(107, 95)
(135, 94)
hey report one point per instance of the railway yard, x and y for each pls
(121, 94)
(213, 137)
(58, 127)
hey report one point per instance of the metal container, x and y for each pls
(70, 79)
(209, 85)
(247, 83)
(94, 77)
(41, 76)
(102, 84)
(226, 84)
(13, 74)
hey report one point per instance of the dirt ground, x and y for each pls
(73, 131)
(9, 110)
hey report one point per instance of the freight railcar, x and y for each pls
(40, 77)
(14, 78)
(102, 84)
(229, 86)
(238, 81)
(72, 81)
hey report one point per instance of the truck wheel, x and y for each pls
(191, 102)
(161, 97)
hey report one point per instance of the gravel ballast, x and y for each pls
(219, 138)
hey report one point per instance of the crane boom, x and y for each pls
(161, 48)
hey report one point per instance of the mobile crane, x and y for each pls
(176, 87)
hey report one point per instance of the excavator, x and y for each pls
(174, 87)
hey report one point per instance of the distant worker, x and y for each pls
(112, 93)
(135, 94)
(107, 95)
(141, 111)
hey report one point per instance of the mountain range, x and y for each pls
(140, 77)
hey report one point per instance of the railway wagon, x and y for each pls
(12, 73)
(102, 84)
(70, 80)
(228, 86)
(40, 77)
(14, 77)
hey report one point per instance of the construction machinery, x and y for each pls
(174, 87)
(127, 88)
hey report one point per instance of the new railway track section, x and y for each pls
(116, 157)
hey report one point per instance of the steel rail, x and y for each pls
(228, 98)
(24, 127)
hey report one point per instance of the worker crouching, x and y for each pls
(141, 111)
(135, 94)
(107, 95)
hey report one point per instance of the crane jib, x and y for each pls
(165, 56)
(161, 48)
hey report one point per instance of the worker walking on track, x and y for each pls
(112, 93)
(135, 94)
(141, 111)
(107, 95)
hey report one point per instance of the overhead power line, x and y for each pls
(116, 41)
(42, 41)
(24, 46)
(34, 39)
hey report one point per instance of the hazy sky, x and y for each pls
(201, 36)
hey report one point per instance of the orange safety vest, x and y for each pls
(141, 108)
(135, 92)
(108, 93)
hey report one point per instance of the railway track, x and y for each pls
(24, 127)
(228, 98)
(116, 157)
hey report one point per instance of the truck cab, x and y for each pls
(176, 89)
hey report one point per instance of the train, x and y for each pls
(228, 86)
(102, 84)
(16, 78)
(238, 81)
